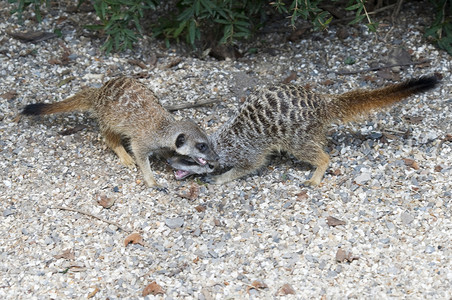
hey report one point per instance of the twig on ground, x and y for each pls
(90, 215)
(383, 67)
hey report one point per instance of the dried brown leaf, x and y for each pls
(388, 137)
(332, 221)
(414, 119)
(327, 82)
(302, 195)
(297, 34)
(54, 61)
(32, 36)
(93, 293)
(9, 95)
(257, 285)
(336, 172)
(370, 78)
(411, 163)
(438, 168)
(192, 193)
(138, 63)
(67, 254)
(152, 289)
(342, 256)
(342, 32)
(223, 51)
(104, 201)
(292, 76)
(200, 208)
(134, 238)
(173, 63)
(286, 289)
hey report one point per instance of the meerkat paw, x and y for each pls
(150, 182)
(311, 183)
(161, 188)
(211, 179)
(125, 158)
(130, 165)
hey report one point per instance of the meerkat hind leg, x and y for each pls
(113, 140)
(320, 161)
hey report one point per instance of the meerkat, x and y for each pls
(293, 119)
(126, 109)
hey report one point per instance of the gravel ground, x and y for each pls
(264, 236)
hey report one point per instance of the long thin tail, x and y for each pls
(80, 101)
(349, 106)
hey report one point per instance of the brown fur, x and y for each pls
(126, 108)
(293, 119)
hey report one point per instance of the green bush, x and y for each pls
(225, 20)
(22, 4)
(441, 29)
(192, 18)
(120, 20)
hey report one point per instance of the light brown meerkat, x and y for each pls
(293, 119)
(126, 108)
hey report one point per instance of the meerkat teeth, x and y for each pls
(202, 161)
(181, 174)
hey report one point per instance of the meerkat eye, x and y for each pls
(180, 140)
(202, 147)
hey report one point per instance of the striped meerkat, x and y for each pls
(293, 119)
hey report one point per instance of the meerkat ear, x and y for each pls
(180, 140)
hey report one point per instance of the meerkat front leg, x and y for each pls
(113, 140)
(238, 171)
(230, 175)
(142, 159)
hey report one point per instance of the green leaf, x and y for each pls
(357, 19)
(192, 32)
(58, 32)
(349, 61)
(181, 27)
(356, 6)
(208, 5)
(240, 34)
(186, 14)
(221, 21)
(197, 7)
(372, 26)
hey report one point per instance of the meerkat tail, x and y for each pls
(351, 105)
(80, 101)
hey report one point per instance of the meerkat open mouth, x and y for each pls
(187, 166)
(181, 174)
